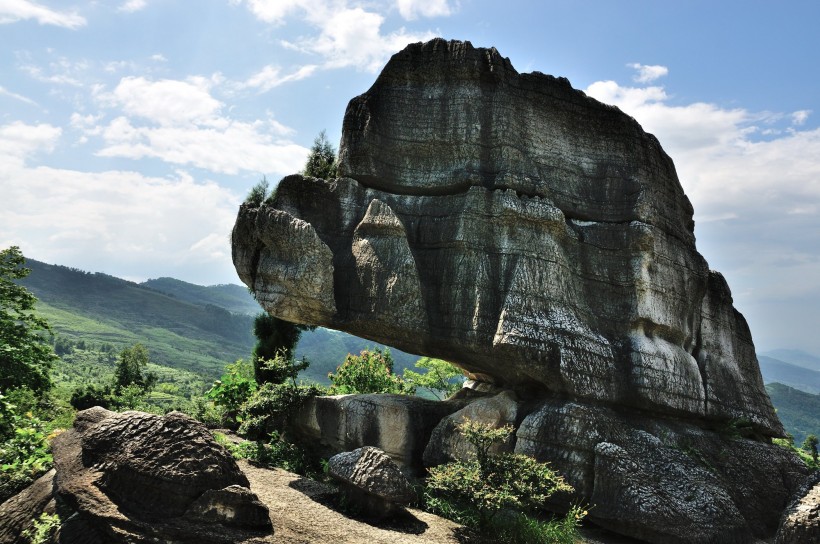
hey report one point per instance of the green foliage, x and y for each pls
(805, 456)
(441, 378)
(810, 445)
(233, 390)
(26, 357)
(24, 449)
(368, 372)
(274, 337)
(258, 193)
(277, 452)
(321, 161)
(271, 406)
(282, 367)
(473, 492)
(131, 369)
(91, 395)
(43, 528)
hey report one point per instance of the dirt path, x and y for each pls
(301, 515)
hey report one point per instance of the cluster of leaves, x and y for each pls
(26, 356)
(24, 449)
(440, 378)
(43, 529)
(272, 406)
(130, 385)
(368, 372)
(233, 390)
(276, 452)
(808, 452)
(473, 492)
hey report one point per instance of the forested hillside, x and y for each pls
(799, 411)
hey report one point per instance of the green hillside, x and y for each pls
(799, 377)
(102, 309)
(233, 298)
(799, 411)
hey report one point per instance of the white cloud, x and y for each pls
(347, 35)
(800, 117)
(271, 76)
(159, 57)
(411, 9)
(132, 6)
(353, 37)
(18, 141)
(648, 73)
(12, 11)
(181, 123)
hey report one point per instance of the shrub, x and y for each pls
(277, 452)
(233, 390)
(473, 492)
(43, 528)
(321, 161)
(368, 372)
(92, 395)
(271, 406)
(24, 454)
(258, 193)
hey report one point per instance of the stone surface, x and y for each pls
(447, 444)
(801, 520)
(137, 477)
(540, 240)
(399, 425)
(18, 512)
(659, 479)
(508, 223)
(371, 480)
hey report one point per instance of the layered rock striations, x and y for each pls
(512, 225)
(540, 240)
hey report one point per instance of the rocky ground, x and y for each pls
(304, 511)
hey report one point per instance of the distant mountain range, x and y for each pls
(789, 373)
(184, 326)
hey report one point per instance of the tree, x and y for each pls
(26, 357)
(273, 335)
(810, 445)
(258, 193)
(132, 363)
(321, 161)
(441, 378)
(368, 372)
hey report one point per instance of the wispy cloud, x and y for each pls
(648, 73)
(21, 98)
(412, 9)
(800, 117)
(271, 76)
(133, 5)
(12, 11)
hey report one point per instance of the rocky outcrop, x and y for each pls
(371, 480)
(137, 477)
(801, 520)
(513, 225)
(540, 240)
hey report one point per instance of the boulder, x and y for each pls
(18, 512)
(540, 240)
(137, 477)
(372, 481)
(447, 444)
(510, 224)
(399, 425)
(801, 520)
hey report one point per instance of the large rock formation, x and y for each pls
(542, 241)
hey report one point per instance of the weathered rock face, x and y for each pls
(540, 240)
(136, 477)
(801, 520)
(508, 223)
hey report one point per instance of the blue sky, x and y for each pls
(130, 130)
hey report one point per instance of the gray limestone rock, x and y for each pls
(508, 223)
(541, 241)
(447, 444)
(801, 520)
(399, 425)
(372, 480)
